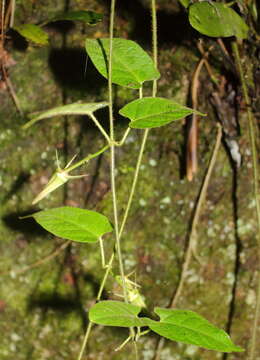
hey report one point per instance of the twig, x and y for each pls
(41, 261)
(5, 22)
(192, 162)
(207, 65)
(193, 233)
(12, 92)
(224, 50)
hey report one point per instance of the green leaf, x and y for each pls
(117, 313)
(150, 112)
(33, 33)
(185, 3)
(71, 109)
(131, 65)
(73, 223)
(190, 328)
(216, 20)
(88, 17)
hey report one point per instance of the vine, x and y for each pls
(111, 57)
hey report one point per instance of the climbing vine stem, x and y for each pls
(112, 164)
(155, 42)
(112, 148)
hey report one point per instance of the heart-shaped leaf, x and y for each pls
(131, 65)
(70, 109)
(33, 33)
(73, 223)
(117, 313)
(150, 112)
(88, 17)
(190, 328)
(216, 20)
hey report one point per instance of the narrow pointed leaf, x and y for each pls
(152, 112)
(33, 33)
(216, 20)
(190, 328)
(131, 65)
(117, 313)
(88, 17)
(70, 109)
(74, 223)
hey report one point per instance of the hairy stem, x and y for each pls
(132, 191)
(101, 129)
(102, 253)
(101, 288)
(86, 159)
(121, 142)
(133, 187)
(112, 149)
(154, 42)
(146, 132)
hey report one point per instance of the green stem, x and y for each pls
(123, 343)
(146, 132)
(132, 191)
(109, 267)
(102, 130)
(121, 142)
(154, 42)
(255, 185)
(102, 253)
(86, 159)
(111, 260)
(90, 324)
(112, 149)
(133, 187)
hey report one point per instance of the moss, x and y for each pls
(43, 310)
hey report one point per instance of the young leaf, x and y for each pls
(131, 65)
(117, 313)
(216, 20)
(70, 109)
(88, 17)
(73, 223)
(33, 33)
(152, 112)
(190, 328)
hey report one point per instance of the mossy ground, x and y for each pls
(44, 310)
